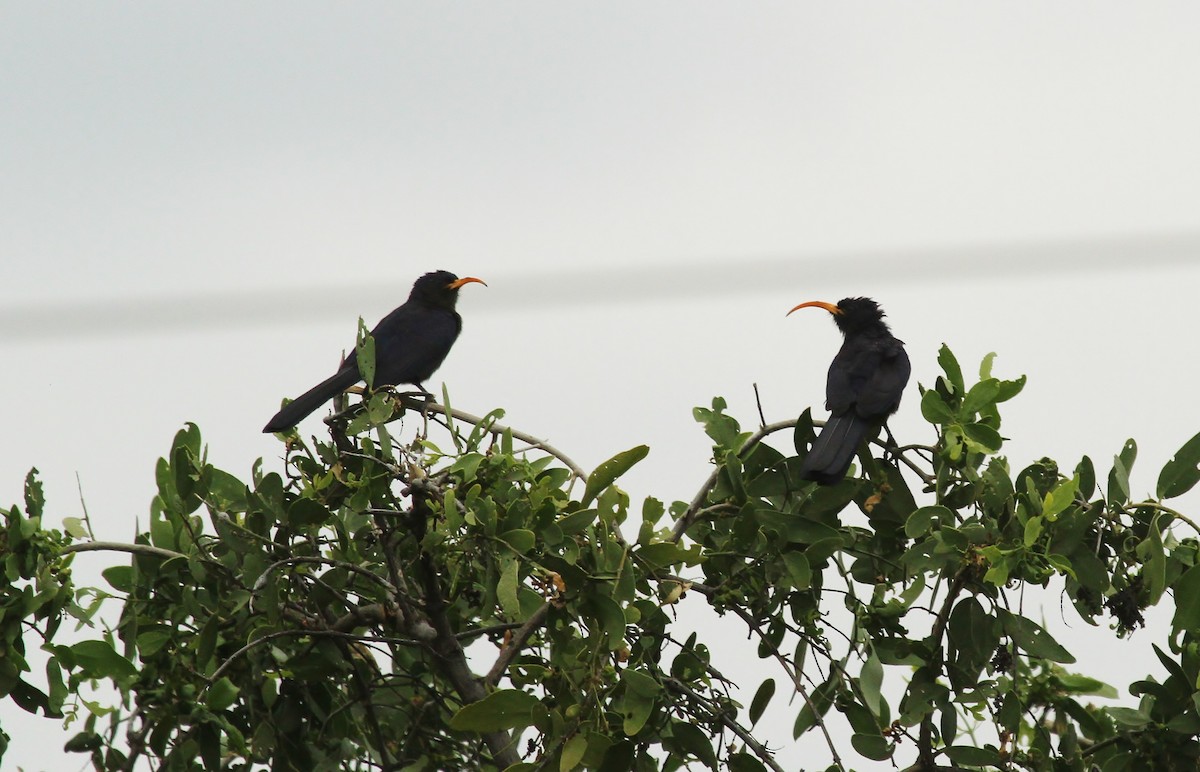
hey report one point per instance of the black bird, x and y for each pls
(410, 343)
(863, 388)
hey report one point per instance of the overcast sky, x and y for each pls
(199, 201)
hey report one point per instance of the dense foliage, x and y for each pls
(468, 598)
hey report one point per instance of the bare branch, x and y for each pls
(115, 546)
(519, 639)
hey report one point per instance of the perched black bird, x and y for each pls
(863, 388)
(410, 343)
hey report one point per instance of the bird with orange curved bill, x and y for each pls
(410, 344)
(863, 388)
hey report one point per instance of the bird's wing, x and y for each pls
(851, 370)
(867, 376)
(880, 394)
(410, 343)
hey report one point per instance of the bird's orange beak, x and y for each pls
(465, 280)
(830, 307)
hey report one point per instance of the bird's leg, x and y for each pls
(890, 446)
(428, 398)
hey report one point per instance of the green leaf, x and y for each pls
(820, 700)
(871, 746)
(762, 697)
(721, 428)
(640, 693)
(982, 438)
(1077, 684)
(84, 742)
(870, 680)
(980, 396)
(1182, 472)
(576, 521)
(969, 755)
(1118, 478)
(364, 352)
(1060, 498)
(1085, 472)
(75, 527)
(949, 365)
(506, 590)
(1033, 529)
(221, 695)
(611, 619)
(572, 753)
(934, 408)
(798, 569)
(151, 640)
(501, 710)
(1186, 590)
(666, 554)
(99, 659)
(520, 539)
(305, 512)
(744, 762)
(1129, 717)
(1154, 562)
(120, 578)
(1032, 639)
(693, 741)
(920, 522)
(1010, 389)
(608, 472)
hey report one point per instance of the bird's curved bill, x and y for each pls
(464, 280)
(830, 307)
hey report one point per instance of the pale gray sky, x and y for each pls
(199, 201)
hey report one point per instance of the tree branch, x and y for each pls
(116, 546)
(448, 651)
(795, 678)
(412, 402)
(925, 739)
(519, 639)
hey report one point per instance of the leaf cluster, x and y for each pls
(468, 598)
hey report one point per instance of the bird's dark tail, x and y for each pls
(834, 448)
(301, 407)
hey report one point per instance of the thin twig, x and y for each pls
(795, 677)
(425, 405)
(351, 567)
(1165, 510)
(759, 749)
(86, 519)
(685, 520)
(220, 671)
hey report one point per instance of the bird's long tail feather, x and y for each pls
(301, 407)
(834, 448)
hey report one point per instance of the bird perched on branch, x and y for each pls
(865, 382)
(410, 343)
